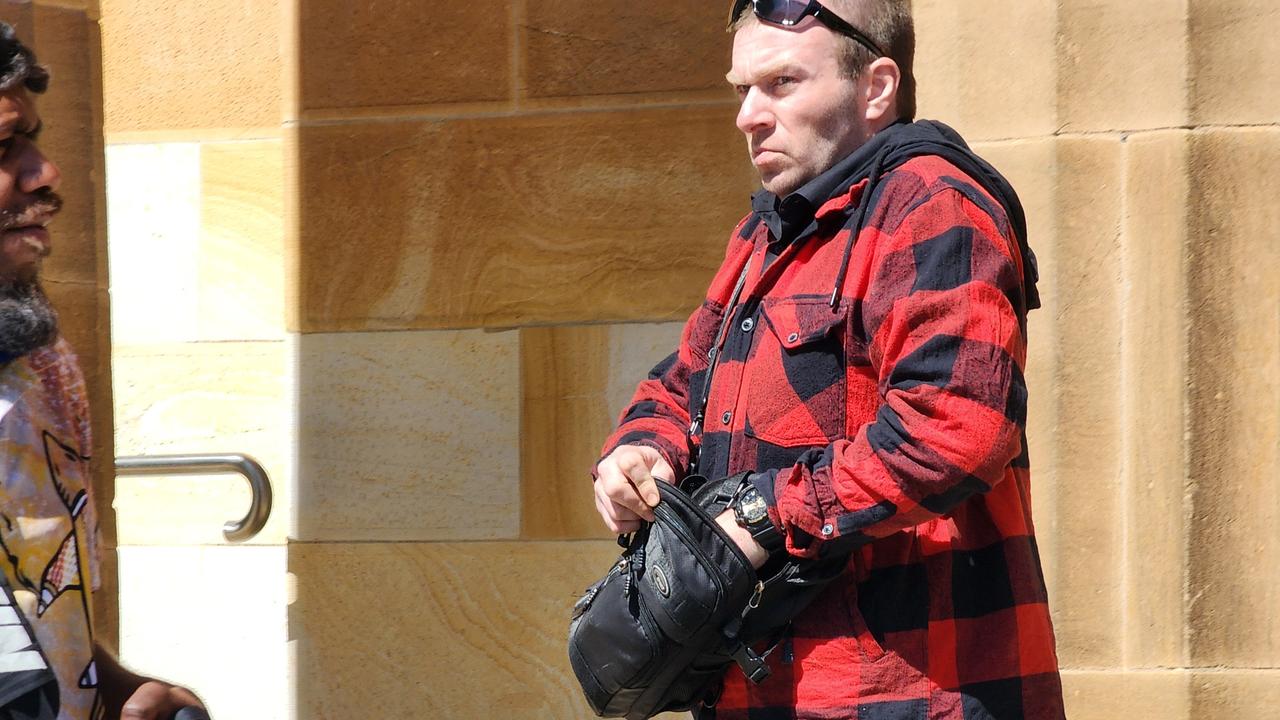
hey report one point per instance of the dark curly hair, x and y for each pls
(18, 64)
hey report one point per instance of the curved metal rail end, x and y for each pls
(259, 484)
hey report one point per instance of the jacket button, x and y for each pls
(827, 530)
(748, 324)
(793, 337)
(726, 417)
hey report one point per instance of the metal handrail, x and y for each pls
(259, 484)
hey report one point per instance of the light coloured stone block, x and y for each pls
(1154, 364)
(403, 53)
(467, 630)
(1234, 390)
(1031, 166)
(1234, 68)
(154, 226)
(553, 218)
(1236, 694)
(988, 67)
(181, 65)
(1088, 431)
(408, 436)
(213, 619)
(577, 48)
(201, 398)
(1115, 694)
(241, 257)
(1122, 65)
(575, 382)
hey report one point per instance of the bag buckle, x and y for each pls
(753, 666)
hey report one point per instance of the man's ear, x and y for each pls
(883, 80)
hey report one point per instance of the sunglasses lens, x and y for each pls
(788, 12)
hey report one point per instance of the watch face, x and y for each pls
(754, 508)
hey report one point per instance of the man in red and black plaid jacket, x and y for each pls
(860, 354)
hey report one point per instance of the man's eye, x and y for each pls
(742, 90)
(783, 80)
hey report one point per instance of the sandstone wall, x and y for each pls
(495, 215)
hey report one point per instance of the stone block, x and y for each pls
(1097, 695)
(539, 219)
(154, 225)
(200, 398)
(615, 47)
(402, 53)
(212, 618)
(1236, 694)
(181, 65)
(88, 7)
(408, 436)
(66, 41)
(1154, 367)
(1122, 65)
(241, 259)
(1234, 390)
(468, 630)
(1087, 434)
(988, 67)
(1031, 166)
(1234, 70)
(575, 382)
(22, 17)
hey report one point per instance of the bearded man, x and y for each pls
(50, 664)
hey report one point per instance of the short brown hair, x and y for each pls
(889, 24)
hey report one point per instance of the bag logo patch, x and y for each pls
(660, 581)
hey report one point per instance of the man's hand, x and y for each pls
(747, 544)
(156, 700)
(130, 696)
(626, 486)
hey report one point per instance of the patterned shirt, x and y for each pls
(885, 419)
(48, 528)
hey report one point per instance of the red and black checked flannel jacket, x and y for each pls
(893, 424)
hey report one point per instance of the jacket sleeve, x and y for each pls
(659, 413)
(944, 323)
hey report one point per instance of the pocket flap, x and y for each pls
(800, 322)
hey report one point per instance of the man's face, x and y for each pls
(27, 203)
(800, 112)
(27, 184)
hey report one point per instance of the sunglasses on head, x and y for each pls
(789, 13)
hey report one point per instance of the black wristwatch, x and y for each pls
(752, 513)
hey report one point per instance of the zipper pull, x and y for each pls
(755, 597)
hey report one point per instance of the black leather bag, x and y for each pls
(636, 633)
(680, 605)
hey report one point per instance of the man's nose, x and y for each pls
(754, 113)
(38, 172)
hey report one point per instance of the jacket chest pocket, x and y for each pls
(796, 376)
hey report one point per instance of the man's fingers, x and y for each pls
(663, 470)
(636, 469)
(611, 514)
(150, 701)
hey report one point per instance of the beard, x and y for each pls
(27, 319)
